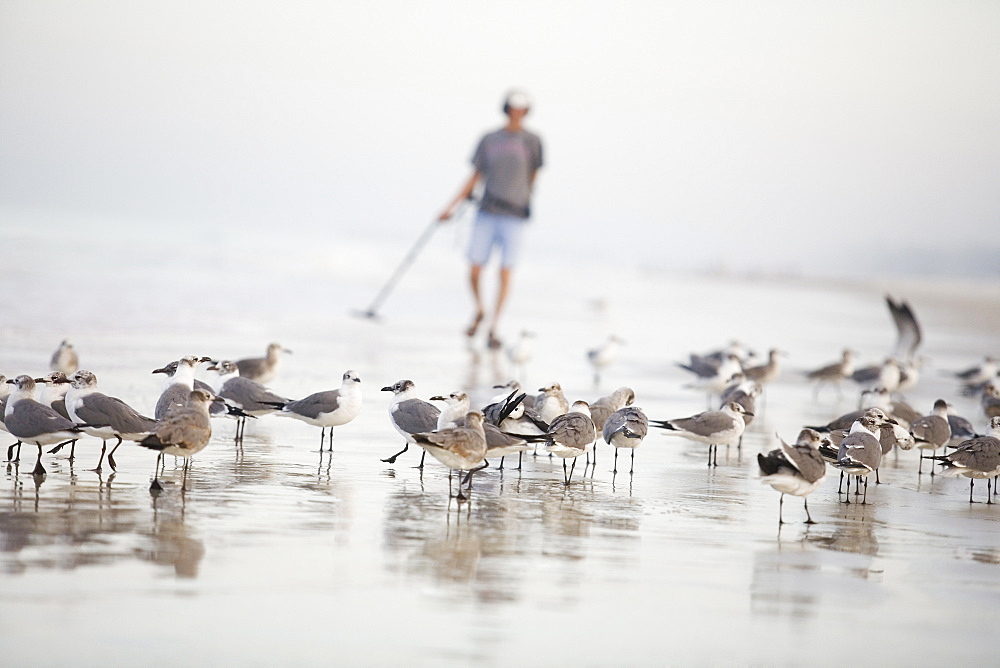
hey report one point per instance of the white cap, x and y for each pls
(517, 99)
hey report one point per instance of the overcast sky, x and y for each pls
(760, 136)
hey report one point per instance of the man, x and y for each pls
(506, 161)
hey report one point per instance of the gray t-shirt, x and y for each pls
(507, 160)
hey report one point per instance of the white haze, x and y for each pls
(853, 138)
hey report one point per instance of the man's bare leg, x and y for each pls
(505, 274)
(474, 284)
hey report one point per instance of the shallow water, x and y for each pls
(278, 553)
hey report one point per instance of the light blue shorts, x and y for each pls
(495, 230)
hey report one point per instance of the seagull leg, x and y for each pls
(100, 462)
(920, 469)
(864, 499)
(571, 469)
(805, 503)
(972, 486)
(781, 506)
(595, 454)
(392, 460)
(877, 481)
(111, 455)
(155, 486)
(500, 468)
(39, 469)
(71, 443)
(615, 469)
(841, 484)
(10, 452)
(631, 468)
(421, 464)
(989, 491)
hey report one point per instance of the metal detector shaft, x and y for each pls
(407, 261)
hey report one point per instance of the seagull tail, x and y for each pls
(152, 442)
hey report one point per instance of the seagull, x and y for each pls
(459, 448)
(603, 408)
(551, 403)
(745, 394)
(220, 407)
(456, 407)
(178, 386)
(886, 375)
(983, 372)
(707, 364)
(715, 378)
(977, 457)
(625, 428)
(32, 422)
(603, 356)
(570, 435)
(909, 373)
(4, 393)
(331, 408)
(932, 431)
(990, 401)
(908, 335)
(409, 415)
(886, 430)
(516, 419)
(183, 433)
(262, 369)
(249, 395)
(521, 352)
(961, 428)
(860, 452)
(512, 386)
(498, 444)
(500, 409)
(874, 398)
(765, 373)
(65, 358)
(794, 469)
(721, 427)
(109, 417)
(833, 373)
(55, 385)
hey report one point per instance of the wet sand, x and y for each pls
(277, 553)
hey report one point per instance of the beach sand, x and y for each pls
(278, 554)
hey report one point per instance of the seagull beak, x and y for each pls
(439, 398)
(387, 389)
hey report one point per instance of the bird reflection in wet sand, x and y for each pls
(853, 537)
(173, 546)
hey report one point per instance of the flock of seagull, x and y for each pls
(63, 406)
